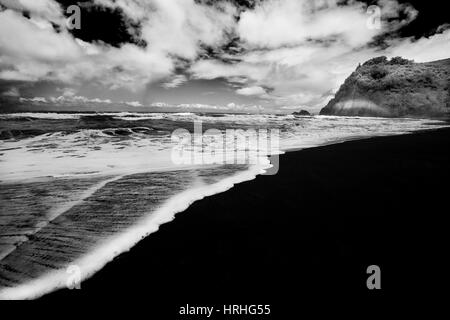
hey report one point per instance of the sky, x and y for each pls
(263, 56)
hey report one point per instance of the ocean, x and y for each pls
(76, 190)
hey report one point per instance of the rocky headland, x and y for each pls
(394, 88)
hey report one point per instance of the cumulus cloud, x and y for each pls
(12, 92)
(70, 99)
(31, 49)
(175, 82)
(32, 52)
(301, 49)
(251, 91)
(435, 47)
(34, 99)
(277, 23)
(230, 107)
(160, 104)
(133, 104)
(77, 99)
(67, 92)
(304, 51)
(47, 9)
(68, 96)
(291, 108)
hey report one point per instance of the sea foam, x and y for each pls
(105, 251)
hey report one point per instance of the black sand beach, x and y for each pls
(307, 233)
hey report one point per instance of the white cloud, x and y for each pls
(34, 99)
(291, 108)
(12, 92)
(160, 104)
(251, 91)
(22, 38)
(272, 23)
(66, 99)
(74, 99)
(193, 107)
(134, 104)
(291, 22)
(31, 50)
(303, 49)
(47, 9)
(305, 52)
(243, 107)
(436, 47)
(175, 82)
(67, 92)
(97, 100)
(69, 96)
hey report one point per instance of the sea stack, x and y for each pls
(303, 113)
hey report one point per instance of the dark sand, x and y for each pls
(307, 233)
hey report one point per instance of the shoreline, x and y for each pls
(201, 254)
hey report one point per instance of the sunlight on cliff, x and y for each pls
(356, 106)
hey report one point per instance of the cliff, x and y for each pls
(394, 88)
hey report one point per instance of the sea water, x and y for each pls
(79, 189)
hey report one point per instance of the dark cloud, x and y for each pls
(432, 14)
(244, 4)
(108, 25)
